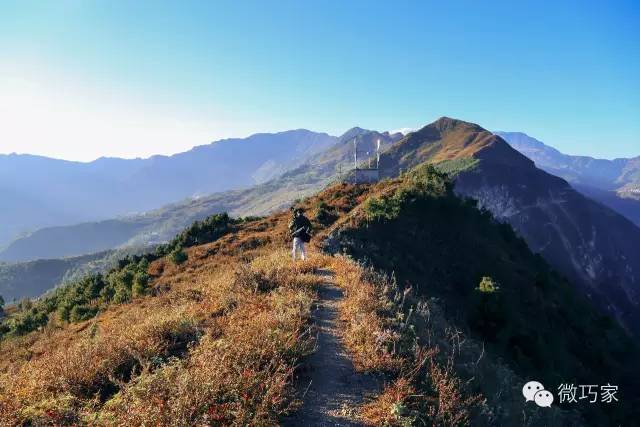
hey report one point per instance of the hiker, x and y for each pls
(300, 230)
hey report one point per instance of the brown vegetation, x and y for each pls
(381, 336)
(217, 344)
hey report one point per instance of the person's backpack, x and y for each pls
(305, 236)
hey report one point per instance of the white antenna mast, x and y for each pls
(355, 153)
(378, 154)
(355, 160)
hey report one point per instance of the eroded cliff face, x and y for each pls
(587, 242)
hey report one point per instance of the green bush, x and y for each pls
(325, 214)
(487, 285)
(27, 321)
(64, 311)
(178, 256)
(140, 284)
(200, 232)
(82, 312)
(121, 295)
(423, 182)
(382, 208)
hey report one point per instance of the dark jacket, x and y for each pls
(300, 226)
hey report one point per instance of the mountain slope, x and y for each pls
(614, 183)
(585, 241)
(47, 192)
(589, 243)
(218, 337)
(444, 249)
(161, 224)
(31, 279)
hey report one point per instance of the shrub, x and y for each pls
(82, 312)
(200, 232)
(178, 256)
(122, 294)
(488, 285)
(140, 284)
(27, 321)
(325, 214)
(381, 208)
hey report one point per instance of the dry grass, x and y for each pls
(239, 374)
(370, 334)
(381, 336)
(219, 339)
(218, 345)
(72, 381)
(389, 407)
(430, 393)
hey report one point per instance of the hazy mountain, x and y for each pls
(139, 231)
(589, 243)
(615, 183)
(43, 192)
(161, 224)
(33, 278)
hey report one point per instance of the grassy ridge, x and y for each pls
(444, 247)
(461, 315)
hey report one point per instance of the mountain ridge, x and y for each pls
(232, 314)
(318, 170)
(614, 183)
(604, 174)
(587, 242)
(108, 187)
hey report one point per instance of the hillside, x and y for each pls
(46, 192)
(31, 279)
(587, 242)
(614, 183)
(161, 224)
(213, 328)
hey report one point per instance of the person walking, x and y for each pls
(300, 231)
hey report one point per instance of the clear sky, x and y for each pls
(82, 79)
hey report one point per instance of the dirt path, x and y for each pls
(335, 389)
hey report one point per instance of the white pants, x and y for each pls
(298, 245)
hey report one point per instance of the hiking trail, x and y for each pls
(334, 389)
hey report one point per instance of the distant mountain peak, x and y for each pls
(448, 139)
(444, 124)
(352, 133)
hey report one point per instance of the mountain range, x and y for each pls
(430, 314)
(614, 183)
(589, 243)
(44, 192)
(161, 224)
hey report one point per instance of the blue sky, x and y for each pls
(82, 79)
